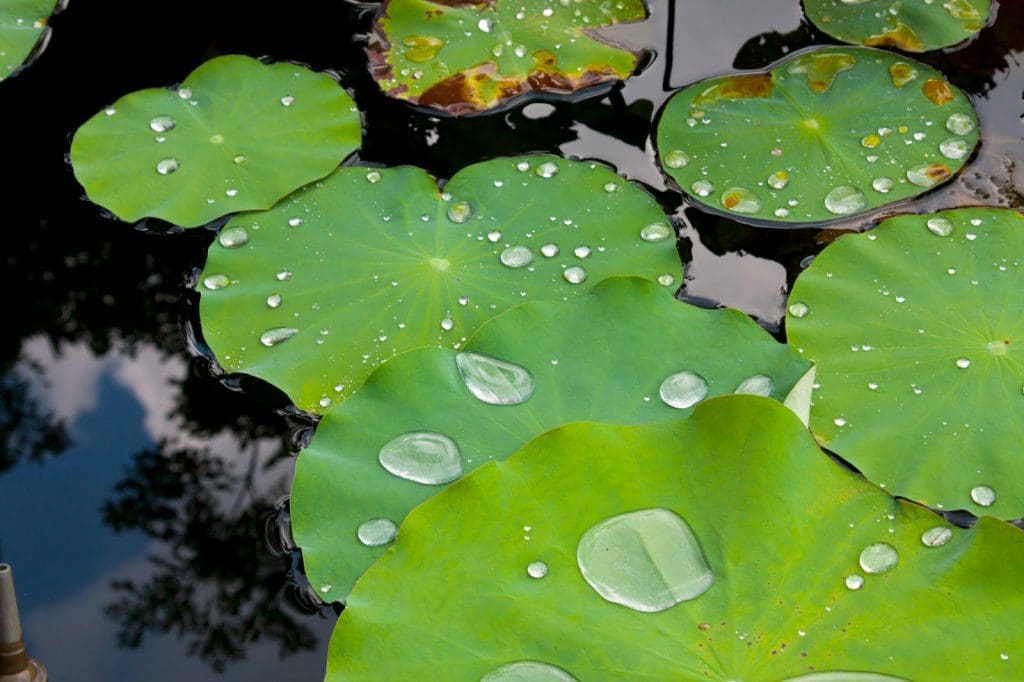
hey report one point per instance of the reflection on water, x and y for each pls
(134, 487)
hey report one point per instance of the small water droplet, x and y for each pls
(494, 237)
(582, 251)
(240, 159)
(548, 169)
(741, 200)
(871, 141)
(460, 212)
(485, 25)
(778, 180)
(683, 390)
(656, 232)
(960, 124)
(611, 187)
(167, 166)
(878, 557)
(702, 188)
(839, 421)
(277, 335)
(447, 324)
(377, 532)
(940, 227)
(574, 275)
(549, 250)
(373, 177)
(936, 536)
(799, 309)
(677, 158)
(845, 200)
(963, 363)
(954, 148)
(516, 256)
(287, 100)
(274, 301)
(666, 280)
(883, 184)
(233, 237)
(283, 276)
(161, 124)
(294, 222)
(983, 495)
(231, 192)
(422, 456)
(494, 381)
(217, 281)
(185, 93)
(647, 560)
(528, 671)
(759, 384)
(537, 569)
(854, 581)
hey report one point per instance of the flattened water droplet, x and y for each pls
(422, 456)
(240, 159)
(845, 200)
(940, 227)
(702, 188)
(878, 557)
(954, 148)
(537, 569)
(373, 177)
(683, 390)
(548, 169)
(494, 381)
(677, 158)
(549, 250)
(528, 671)
(460, 212)
(983, 495)
(377, 532)
(960, 124)
(516, 256)
(778, 180)
(233, 237)
(759, 384)
(936, 536)
(277, 335)
(883, 184)
(574, 275)
(217, 281)
(741, 200)
(167, 166)
(854, 581)
(799, 309)
(929, 174)
(656, 232)
(647, 560)
(161, 124)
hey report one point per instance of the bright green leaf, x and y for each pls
(464, 57)
(781, 527)
(237, 135)
(367, 264)
(917, 328)
(826, 134)
(909, 26)
(602, 358)
(22, 27)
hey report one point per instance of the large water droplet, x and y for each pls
(494, 381)
(277, 335)
(422, 456)
(936, 536)
(516, 256)
(647, 560)
(799, 309)
(655, 232)
(759, 384)
(548, 169)
(954, 148)
(683, 390)
(574, 275)
(960, 124)
(983, 495)
(845, 200)
(677, 158)
(929, 174)
(161, 124)
(167, 166)
(549, 250)
(377, 532)
(233, 237)
(217, 281)
(460, 212)
(528, 671)
(537, 569)
(878, 557)
(741, 200)
(940, 227)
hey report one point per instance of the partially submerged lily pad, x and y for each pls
(23, 27)
(916, 26)
(917, 328)
(627, 352)
(237, 135)
(463, 56)
(826, 134)
(368, 263)
(725, 546)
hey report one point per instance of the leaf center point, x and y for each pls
(440, 264)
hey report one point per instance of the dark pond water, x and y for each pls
(135, 489)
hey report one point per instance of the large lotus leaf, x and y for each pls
(718, 547)
(602, 357)
(468, 56)
(314, 294)
(22, 26)
(236, 135)
(911, 26)
(826, 134)
(918, 331)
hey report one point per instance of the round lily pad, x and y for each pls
(725, 546)
(23, 25)
(917, 328)
(826, 134)
(237, 135)
(463, 57)
(368, 263)
(916, 26)
(421, 422)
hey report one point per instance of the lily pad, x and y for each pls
(907, 26)
(917, 328)
(829, 133)
(465, 56)
(23, 25)
(237, 135)
(416, 425)
(367, 264)
(718, 547)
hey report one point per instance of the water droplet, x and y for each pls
(283, 276)
(574, 275)
(516, 256)
(878, 557)
(647, 560)
(523, 166)
(845, 200)
(883, 184)
(373, 177)
(741, 200)
(460, 212)
(799, 309)
(778, 180)
(582, 251)
(485, 25)
(537, 569)
(839, 421)
(185, 93)
(233, 237)
(287, 100)
(666, 280)
(325, 402)
(110, 111)
(549, 250)
(929, 174)
(936, 536)
(161, 124)
(677, 158)
(422, 456)
(954, 148)
(702, 188)
(377, 532)
(494, 237)
(963, 363)
(656, 232)
(231, 192)
(854, 581)
(759, 384)
(277, 335)
(167, 166)
(217, 281)
(983, 495)
(611, 187)
(548, 169)
(274, 301)
(683, 390)
(494, 381)
(528, 671)
(871, 141)
(960, 124)
(240, 159)
(940, 227)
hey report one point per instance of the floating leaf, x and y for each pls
(917, 328)
(314, 294)
(725, 546)
(463, 57)
(237, 135)
(419, 422)
(23, 27)
(826, 134)
(907, 26)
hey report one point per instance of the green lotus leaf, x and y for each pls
(827, 134)
(367, 264)
(23, 24)
(237, 135)
(724, 546)
(415, 426)
(466, 56)
(907, 26)
(917, 328)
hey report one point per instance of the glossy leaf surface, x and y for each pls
(22, 26)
